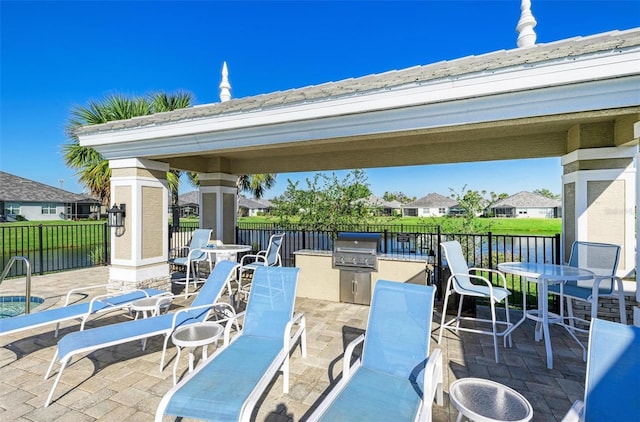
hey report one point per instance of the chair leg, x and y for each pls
(164, 350)
(506, 311)
(444, 315)
(55, 383)
(570, 312)
(494, 328)
(621, 304)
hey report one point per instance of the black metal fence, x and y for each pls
(52, 248)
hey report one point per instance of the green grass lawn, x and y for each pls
(512, 226)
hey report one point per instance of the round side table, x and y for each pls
(152, 305)
(482, 400)
(192, 336)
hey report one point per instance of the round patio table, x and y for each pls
(482, 400)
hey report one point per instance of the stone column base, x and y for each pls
(160, 283)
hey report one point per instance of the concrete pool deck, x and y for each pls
(124, 382)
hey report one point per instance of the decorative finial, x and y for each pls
(225, 86)
(527, 36)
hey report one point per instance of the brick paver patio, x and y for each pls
(125, 383)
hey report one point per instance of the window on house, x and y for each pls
(48, 208)
(442, 210)
(10, 208)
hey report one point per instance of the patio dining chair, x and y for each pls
(395, 379)
(612, 383)
(194, 255)
(461, 282)
(601, 259)
(269, 257)
(141, 329)
(227, 385)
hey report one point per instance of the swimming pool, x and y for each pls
(11, 306)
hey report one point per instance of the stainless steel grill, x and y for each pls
(356, 256)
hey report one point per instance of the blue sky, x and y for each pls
(56, 55)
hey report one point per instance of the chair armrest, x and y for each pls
(227, 327)
(194, 308)
(433, 379)
(489, 270)
(477, 277)
(73, 291)
(598, 279)
(256, 258)
(346, 360)
(575, 413)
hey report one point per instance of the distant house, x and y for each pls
(188, 204)
(432, 205)
(253, 207)
(22, 198)
(527, 205)
(382, 207)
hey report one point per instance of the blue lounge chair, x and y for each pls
(227, 386)
(78, 311)
(612, 385)
(141, 329)
(396, 379)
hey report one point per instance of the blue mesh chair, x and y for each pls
(227, 386)
(270, 257)
(195, 255)
(612, 385)
(465, 282)
(396, 379)
(601, 259)
(141, 329)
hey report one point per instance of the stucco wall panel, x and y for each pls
(152, 230)
(605, 214)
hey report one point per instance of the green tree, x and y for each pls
(471, 204)
(256, 184)
(397, 196)
(93, 169)
(327, 203)
(546, 193)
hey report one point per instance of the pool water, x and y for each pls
(11, 306)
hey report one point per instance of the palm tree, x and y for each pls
(256, 184)
(94, 170)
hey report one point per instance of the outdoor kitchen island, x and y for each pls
(319, 280)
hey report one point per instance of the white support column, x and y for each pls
(218, 195)
(599, 197)
(139, 250)
(636, 310)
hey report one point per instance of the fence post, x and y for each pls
(105, 245)
(384, 246)
(304, 239)
(558, 257)
(439, 282)
(41, 249)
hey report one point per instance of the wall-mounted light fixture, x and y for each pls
(115, 215)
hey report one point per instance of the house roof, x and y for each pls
(432, 200)
(18, 189)
(527, 200)
(253, 204)
(189, 198)
(485, 63)
(374, 201)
